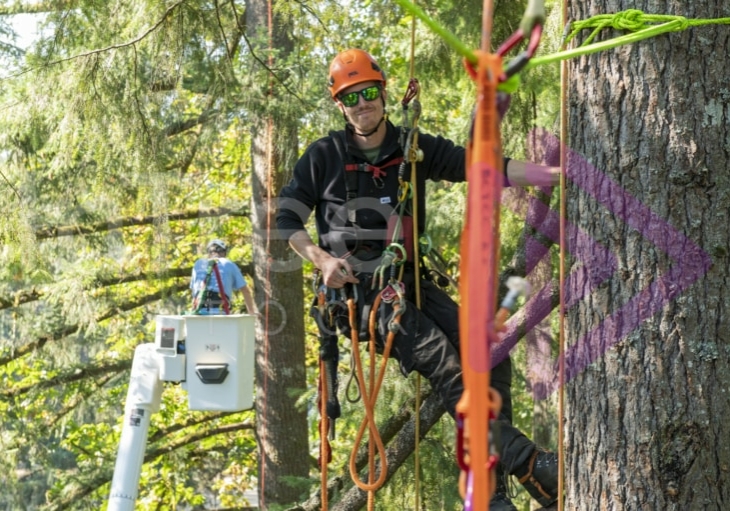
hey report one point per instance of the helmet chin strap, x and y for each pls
(371, 132)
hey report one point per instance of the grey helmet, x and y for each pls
(217, 246)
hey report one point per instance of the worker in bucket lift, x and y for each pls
(213, 273)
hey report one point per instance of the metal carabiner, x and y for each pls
(520, 61)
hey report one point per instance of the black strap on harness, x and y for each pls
(351, 173)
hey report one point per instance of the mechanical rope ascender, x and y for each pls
(480, 404)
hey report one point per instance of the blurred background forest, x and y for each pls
(125, 145)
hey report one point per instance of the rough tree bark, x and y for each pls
(281, 427)
(648, 358)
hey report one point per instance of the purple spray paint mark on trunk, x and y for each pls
(598, 264)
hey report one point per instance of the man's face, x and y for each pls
(364, 115)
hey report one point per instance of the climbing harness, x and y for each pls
(352, 170)
(204, 297)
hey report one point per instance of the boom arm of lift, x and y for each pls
(212, 357)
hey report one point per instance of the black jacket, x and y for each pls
(319, 185)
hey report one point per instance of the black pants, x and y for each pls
(428, 342)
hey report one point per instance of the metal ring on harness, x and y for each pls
(390, 258)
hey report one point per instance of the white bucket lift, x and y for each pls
(213, 359)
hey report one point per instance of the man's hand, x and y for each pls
(337, 272)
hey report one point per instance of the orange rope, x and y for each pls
(369, 396)
(324, 447)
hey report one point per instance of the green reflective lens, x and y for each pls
(369, 94)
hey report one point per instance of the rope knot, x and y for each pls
(683, 23)
(630, 19)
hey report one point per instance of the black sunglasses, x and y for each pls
(368, 93)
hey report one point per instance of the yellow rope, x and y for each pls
(561, 313)
(416, 255)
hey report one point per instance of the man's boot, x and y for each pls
(500, 500)
(539, 476)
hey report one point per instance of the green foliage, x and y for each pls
(136, 109)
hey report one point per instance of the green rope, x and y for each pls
(642, 26)
(447, 36)
(634, 20)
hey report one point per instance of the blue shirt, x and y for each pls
(230, 276)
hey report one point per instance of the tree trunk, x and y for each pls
(647, 297)
(281, 426)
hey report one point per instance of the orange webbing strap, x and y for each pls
(480, 255)
(369, 394)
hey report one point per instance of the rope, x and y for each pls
(324, 447)
(413, 158)
(269, 188)
(635, 20)
(369, 394)
(643, 26)
(562, 247)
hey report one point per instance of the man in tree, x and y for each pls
(212, 273)
(352, 180)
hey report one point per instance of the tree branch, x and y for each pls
(108, 225)
(16, 353)
(98, 51)
(34, 294)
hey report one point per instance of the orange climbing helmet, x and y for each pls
(351, 67)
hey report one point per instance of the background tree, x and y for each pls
(132, 133)
(281, 425)
(648, 360)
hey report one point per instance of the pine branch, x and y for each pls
(37, 7)
(105, 476)
(14, 354)
(72, 375)
(100, 51)
(34, 294)
(108, 225)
